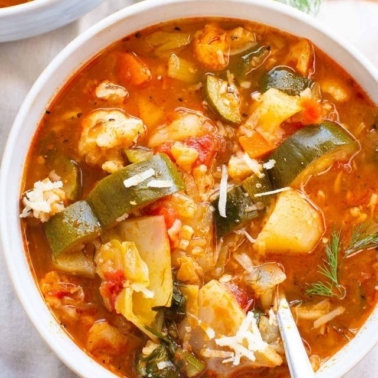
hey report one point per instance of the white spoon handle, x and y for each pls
(297, 359)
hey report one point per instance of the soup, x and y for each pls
(184, 176)
(10, 3)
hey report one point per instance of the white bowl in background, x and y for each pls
(40, 16)
(64, 66)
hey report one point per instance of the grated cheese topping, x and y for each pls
(223, 193)
(44, 200)
(253, 165)
(269, 164)
(160, 184)
(139, 178)
(272, 192)
(245, 343)
(164, 364)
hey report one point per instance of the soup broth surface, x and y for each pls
(181, 178)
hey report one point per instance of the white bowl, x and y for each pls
(40, 16)
(74, 56)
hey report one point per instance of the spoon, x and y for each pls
(297, 359)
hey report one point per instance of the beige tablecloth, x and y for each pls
(22, 352)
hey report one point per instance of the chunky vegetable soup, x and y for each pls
(185, 174)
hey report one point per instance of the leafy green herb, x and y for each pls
(178, 308)
(329, 270)
(307, 6)
(158, 364)
(363, 237)
(168, 359)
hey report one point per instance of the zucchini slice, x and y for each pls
(249, 61)
(138, 154)
(286, 80)
(223, 98)
(242, 204)
(309, 151)
(255, 185)
(110, 199)
(69, 172)
(238, 211)
(71, 228)
(75, 262)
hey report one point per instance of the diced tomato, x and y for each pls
(132, 70)
(206, 146)
(312, 112)
(241, 296)
(112, 286)
(255, 145)
(165, 148)
(169, 213)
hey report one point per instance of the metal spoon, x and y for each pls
(297, 359)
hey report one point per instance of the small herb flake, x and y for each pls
(329, 270)
(363, 237)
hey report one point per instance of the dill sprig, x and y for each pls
(363, 237)
(307, 6)
(329, 270)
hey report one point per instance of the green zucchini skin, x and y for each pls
(110, 199)
(238, 202)
(69, 172)
(72, 227)
(249, 61)
(223, 99)
(286, 80)
(304, 147)
(255, 185)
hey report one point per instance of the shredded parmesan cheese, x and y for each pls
(137, 179)
(122, 217)
(44, 200)
(164, 364)
(223, 193)
(213, 353)
(247, 340)
(160, 184)
(253, 165)
(269, 164)
(272, 192)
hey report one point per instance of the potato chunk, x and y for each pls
(293, 227)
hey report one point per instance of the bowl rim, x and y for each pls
(30, 6)
(40, 16)
(25, 6)
(52, 332)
